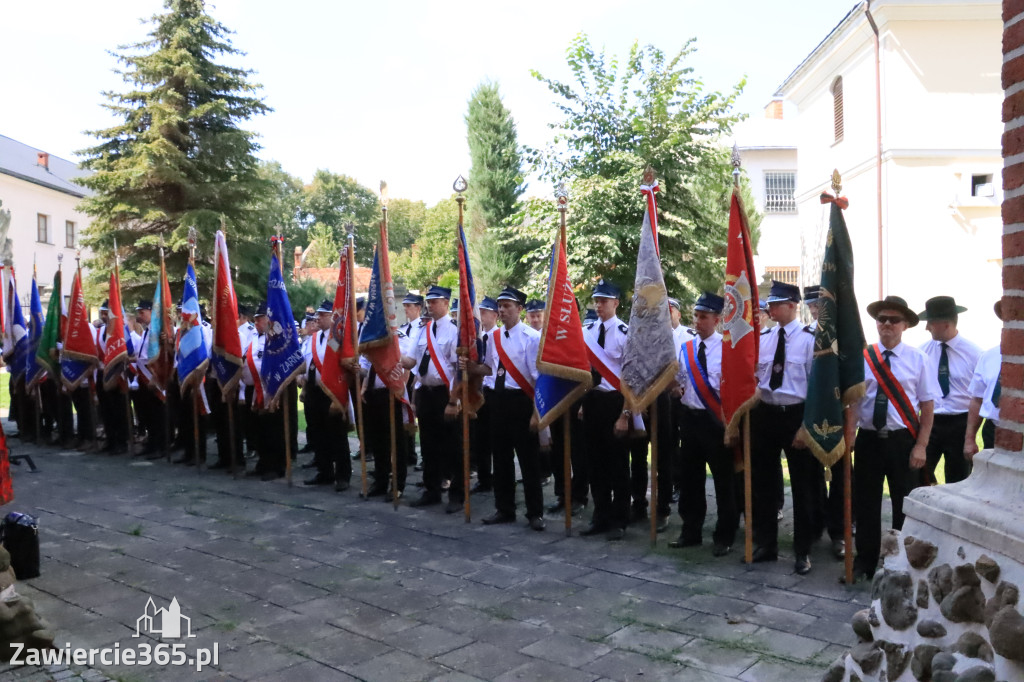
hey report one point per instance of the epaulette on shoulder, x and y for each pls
(251, 326)
(423, 323)
(400, 333)
(765, 330)
(691, 332)
(589, 324)
(623, 327)
(808, 329)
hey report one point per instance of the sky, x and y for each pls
(379, 90)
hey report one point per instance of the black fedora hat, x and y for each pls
(941, 308)
(893, 303)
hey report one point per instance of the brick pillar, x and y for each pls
(1010, 435)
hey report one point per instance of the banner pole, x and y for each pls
(231, 435)
(195, 422)
(358, 379)
(287, 441)
(567, 471)
(128, 414)
(394, 449)
(748, 502)
(92, 410)
(848, 510)
(465, 439)
(654, 474)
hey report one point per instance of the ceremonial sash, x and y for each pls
(257, 383)
(600, 361)
(433, 355)
(707, 395)
(510, 366)
(317, 362)
(890, 385)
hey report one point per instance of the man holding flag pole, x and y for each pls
(226, 355)
(78, 357)
(192, 359)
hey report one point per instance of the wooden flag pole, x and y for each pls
(460, 187)
(654, 473)
(391, 399)
(355, 346)
(848, 510)
(562, 199)
(748, 502)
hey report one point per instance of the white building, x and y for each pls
(37, 189)
(918, 149)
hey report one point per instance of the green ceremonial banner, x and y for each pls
(47, 352)
(837, 375)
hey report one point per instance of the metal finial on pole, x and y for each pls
(192, 236)
(737, 162)
(384, 195)
(837, 181)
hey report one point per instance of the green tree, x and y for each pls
(178, 157)
(433, 255)
(339, 200)
(618, 117)
(323, 247)
(405, 222)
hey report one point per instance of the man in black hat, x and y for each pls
(954, 360)
(786, 355)
(330, 437)
(480, 428)
(895, 424)
(435, 362)
(700, 379)
(512, 354)
(605, 420)
(986, 389)
(535, 313)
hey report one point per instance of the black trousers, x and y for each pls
(480, 439)
(668, 451)
(440, 442)
(834, 502)
(678, 439)
(608, 456)
(65, 417)
(316, 405)
(512, 437)
(272, 455)
(580, 482)
(331, 452)
(705, 447)
(81, 399)
(988, 434)
(191, 410)
(772, 431)
(113, 414)
(947, 440)
(880, 459)
(377, 427)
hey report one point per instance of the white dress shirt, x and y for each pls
(520, 344)
(713, 351)
(486, 336)
(963, 358)
(681, 335)
(258, 343)
(316, 343)
(445, 341)
(614, 344)
(912, 369)
(986, 373)
(799, 357)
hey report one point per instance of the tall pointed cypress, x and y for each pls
(178, 156)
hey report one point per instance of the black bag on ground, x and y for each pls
(19, 534)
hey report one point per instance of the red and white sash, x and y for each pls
(608, 368)
(510, 366)
(257, 383)
(433, 355)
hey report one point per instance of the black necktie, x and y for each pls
(881, 414)
(595, 376)
(779, 364)
(702, 358)
(600, 336)
(997, 391)
(425, 362)
(944, 370)
(499, 378)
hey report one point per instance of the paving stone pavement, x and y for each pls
(305, 583)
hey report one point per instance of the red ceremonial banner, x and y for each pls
(79, 340)
(333, 377)
(226, 342)
(116, 353)
(563, 352)
(740, 335)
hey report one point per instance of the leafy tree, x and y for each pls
(618, 117)
(280, 208)
(405, 222)
(337, 201)
(178, 157)
(433, 255)
(323, 247)
(306, 294)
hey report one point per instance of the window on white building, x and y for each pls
(42, 228)
(69, 234)
(790, 274)
(837, 107)
(779, 192)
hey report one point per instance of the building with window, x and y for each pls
(914, 128)
(37, 189)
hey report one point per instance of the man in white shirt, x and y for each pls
(785, 358)
(985, 390)
(953, 359)
(895, 422)
(330, 437)
(435, 362)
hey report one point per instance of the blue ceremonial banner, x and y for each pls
(282, 356)
(193, 354)
(34, 369)
(376, 329)
(19, 332)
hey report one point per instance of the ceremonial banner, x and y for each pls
(468, 319)
(333, 377)
(47, 354)
(19, 332)
(837, 374)
(378, 340)
(227, 346)
(562, 356)
(740, 338)
(116, 355)
(650, 361)
(160, 342)
(79, 356)
(35, 371)
(193, 356)
(282, 356)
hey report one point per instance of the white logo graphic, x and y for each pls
(166, 623)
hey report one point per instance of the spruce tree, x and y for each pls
(178, 157)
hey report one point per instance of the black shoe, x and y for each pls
(803, 564)
(615, 534)
(272, 475)
(662, 524)
(498, 517)
(839, 549)
(454, 506)
(376, 491)
(341, 486)
(556, 507)
(219, 465)
(319, 479)
(480, 488)
(763, 554)
(308, 465)
(426, 500)
(720, 550)
(682, 541)
(594, 529)
(537, 523)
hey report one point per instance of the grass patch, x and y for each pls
(136, 530)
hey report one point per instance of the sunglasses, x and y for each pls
(891, 319)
